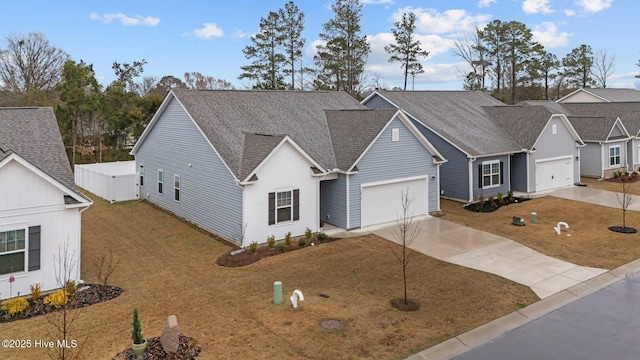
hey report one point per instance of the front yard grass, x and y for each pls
(590, 243)
(168, 267)
(611, 185)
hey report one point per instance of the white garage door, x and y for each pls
(382, 203)
(554, 173)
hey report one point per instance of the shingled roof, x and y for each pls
(628, 112)
(593, 128)
(459, 117)
(523, 123)
(242, 124)
(609, 94)
(33, 134)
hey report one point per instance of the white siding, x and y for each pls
(28, 200)
(286, 169)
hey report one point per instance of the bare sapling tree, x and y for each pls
(625, 199)
(66, 269)
(105, 266)
(404, 235)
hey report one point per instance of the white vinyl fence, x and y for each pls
(114, 181)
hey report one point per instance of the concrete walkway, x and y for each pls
(595, 196)
(483, 251)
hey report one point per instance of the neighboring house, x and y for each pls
(40, 208)
(478, 151)
(606, 141)
(629, 114)
(551, 146)
(250, 164)
(590, 95)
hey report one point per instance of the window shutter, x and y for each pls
(34, 248)
(480, 176)
(272, 208)
(296, 204)
(501, 173)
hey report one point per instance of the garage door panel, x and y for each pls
(554, 173)
(383, 203)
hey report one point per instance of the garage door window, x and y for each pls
(614, 155)
(491, 174)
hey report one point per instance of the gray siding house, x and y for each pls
(250, 164)
(478, 151)
(551, 146)
(606, 141)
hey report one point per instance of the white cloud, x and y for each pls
(453, 20)
(208, 31)
(547, 35)
(536, 6)
(485, 3)
(125, 20)
(569, 12)
(594, 5)
(239, 34)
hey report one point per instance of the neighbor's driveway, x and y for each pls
(483, 251)
(595, 196)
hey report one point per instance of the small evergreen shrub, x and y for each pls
(500, 198)
(253, 247)
(70, 287)
(136, 333)
(15, 305)
(271, 241)
(287, 238)
(302, 243)
(308, 234)
(281, 247)
(322, 237)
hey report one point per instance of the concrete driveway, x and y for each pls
(483, 251)
(595, 196)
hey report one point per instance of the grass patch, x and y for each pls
(168, 267)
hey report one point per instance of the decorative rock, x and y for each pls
(169, 339)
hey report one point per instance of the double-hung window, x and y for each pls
(160, 180)
(614, 155)
(284, 206)
(12, 251)
(490, 173)
(176, 187)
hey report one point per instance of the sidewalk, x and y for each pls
(595, 196)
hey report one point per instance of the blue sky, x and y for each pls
(208, 36)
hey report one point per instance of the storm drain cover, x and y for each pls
(331, 324)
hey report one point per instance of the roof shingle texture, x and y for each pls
(33, 134)
(616, 95)
(353, 130)
(628, 112)
(225, 117)
(593, 128)
(523, 123)
(458, 116)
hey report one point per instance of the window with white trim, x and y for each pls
(176, 187)
(490, 174)
(141, 175)
(284, 206)
(12, 251)
(614, 155)
(160, 180)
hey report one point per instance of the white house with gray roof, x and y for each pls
(250, 164)
(40, 208)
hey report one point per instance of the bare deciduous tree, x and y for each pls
(404, 235)
(105, 266)
(625, 199)
(603, 65)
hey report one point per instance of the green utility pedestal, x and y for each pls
(277, 292)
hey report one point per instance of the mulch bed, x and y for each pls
(488, 206)
(238, 257)
(187, 350)
(410, 305)
(623, 230)
(86, 295)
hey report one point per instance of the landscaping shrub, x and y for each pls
(70, 287)
(271, 241)
(281, 247)
(287, 238)
(57, 298)
(15, 305)
(308, 234)
(500, 198)
(253, 247)
(322, 237)
(36, 290)
(302, 243)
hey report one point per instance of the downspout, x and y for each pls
(242, 229)
(438, 184)
(347, 199)
(471, 160)
(80, 241)
(529, 172)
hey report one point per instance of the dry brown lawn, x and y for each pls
(591, 243)
(611, 185)
(168, 267)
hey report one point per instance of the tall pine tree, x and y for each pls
(577, 66)
(406, 50)
(292, 25)
(342, 56)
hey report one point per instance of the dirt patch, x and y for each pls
(187, 350)
(409, 305)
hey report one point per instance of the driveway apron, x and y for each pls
(483, 251)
